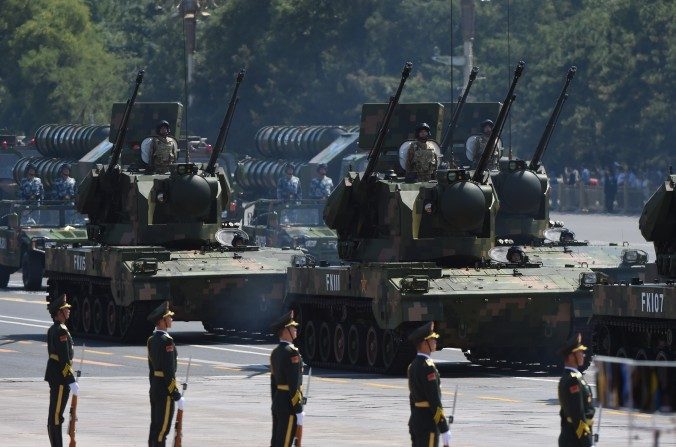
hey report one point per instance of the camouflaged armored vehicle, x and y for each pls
(28, 229)
(297, 224)
(419, 251)
(637, 319)
(159, 236)
(523, 218)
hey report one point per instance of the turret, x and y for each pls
(389, 217)
(658, 225)
(181, 208)
(523, 187)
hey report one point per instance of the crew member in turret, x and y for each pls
(65, 187)
(427, 421)
(286, 380)
(164, 391)
(421, 158)
(288, 186)
(477, 144)
(59, 373)
(322, 185)
(160, 151)
(31, 185)
(575, 398)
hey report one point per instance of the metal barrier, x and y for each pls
(591, 198)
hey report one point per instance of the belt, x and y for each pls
(589, 422)
(158, 373)
(54, 357)
(283, 387)
(422, 404)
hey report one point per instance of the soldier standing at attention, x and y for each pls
(164, 391)
(575, 397)
(65, 187)
(59, 371)
(160, 151)
(288, 186)
(479, 144)
(31, 186)
(421, 158)
(427, 419)
(286, 379)
(321, 186)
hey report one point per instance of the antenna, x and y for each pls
(185, 90)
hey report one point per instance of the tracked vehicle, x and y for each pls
(418, 251)
(156, 236)
(637, 318)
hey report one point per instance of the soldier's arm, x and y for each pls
(433, 396)
(294, 368)
(273, 380)
(62, 344)
(409, 157)
(299, 195)
(573, 408)
(169, 368)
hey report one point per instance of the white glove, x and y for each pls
(299, 418)
(181, 403)
(446, 438)
(74, 388)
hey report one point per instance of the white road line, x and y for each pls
(218, 348)
(254, 347)
(226, 364)
(25, 319)
(24, 324)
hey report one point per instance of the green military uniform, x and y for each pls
(427, 419)
(59, 372)
(164, 391)
(422, 160)
(286, 380)
(575, 398)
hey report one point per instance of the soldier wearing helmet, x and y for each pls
(65, 187)
(421, 158)
(160, 151)
(477, 143)
(31, 185)
(288, 186)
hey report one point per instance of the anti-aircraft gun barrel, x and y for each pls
(119, 139)
(225, 126)
(448, 135)
(499, 123)
(382, 132)
(553, 120)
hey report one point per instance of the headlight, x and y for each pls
(588, 279)
(311, 243)
(634, 257)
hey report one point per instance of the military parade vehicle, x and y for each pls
(296, 224)
(155, 235)
(637, 318)
(416, 251)
(523, 218)
(27, 229)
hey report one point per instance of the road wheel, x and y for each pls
(662, 356)
(75, 319)
(325, 342)
(111, 317)
(390, 347)
(605, 341)
(372, 346)
(339, 342)
(97, 316)
(353, 344)
(310, 340)
(641, 354)
(31, 271)
(87, 315)
(621, 353)
(4, 277)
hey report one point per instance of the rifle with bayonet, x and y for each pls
(553, 120)
(122, 132)
(497, 128)
(447, 140)
(374, 155)
(225, 126)
(299, 429)
(73, 404)
(451, 418)
(178, 426)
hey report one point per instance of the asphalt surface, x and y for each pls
(228, 400)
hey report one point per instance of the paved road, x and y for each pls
(228, 399)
